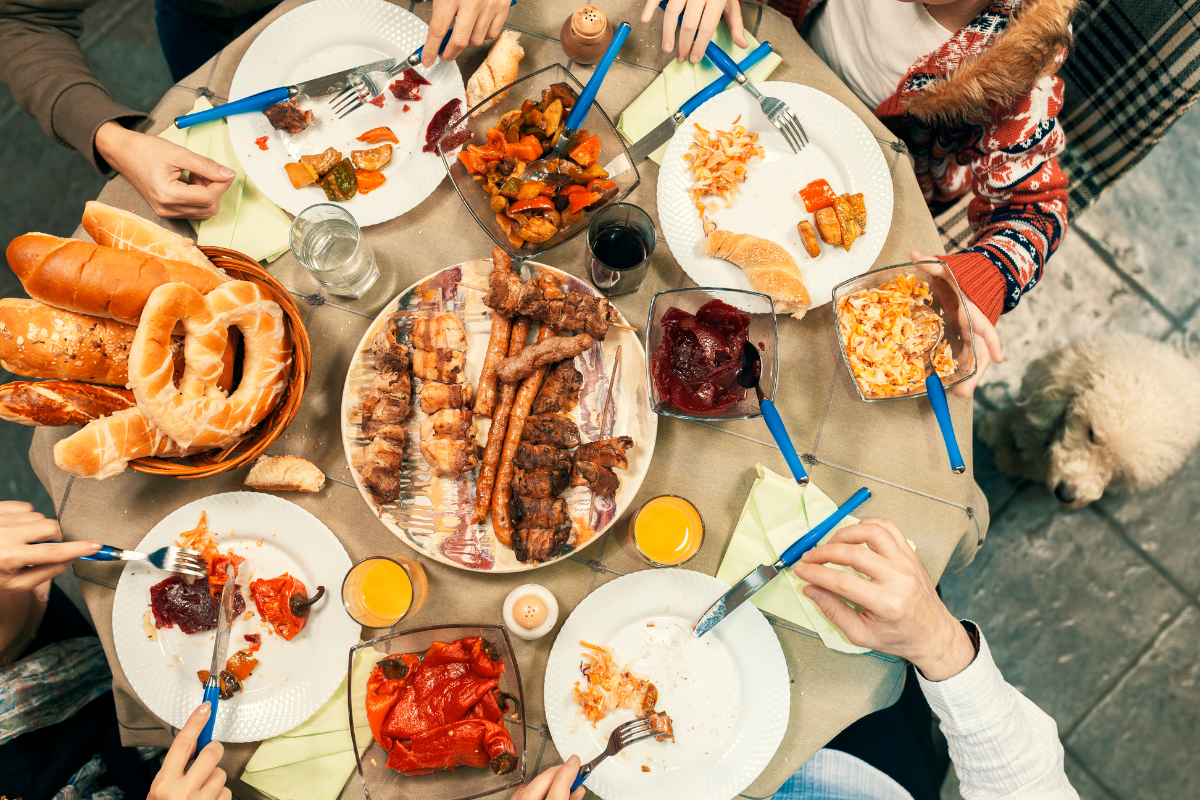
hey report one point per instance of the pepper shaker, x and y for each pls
(530, 611)
(585, 35)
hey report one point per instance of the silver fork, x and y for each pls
(169, 559)
(622, 736)
(777, 112)
(364, 88)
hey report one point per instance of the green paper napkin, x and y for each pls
(313, 760)
(247, 221)
(679, 81)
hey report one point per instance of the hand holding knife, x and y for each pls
(212, 689)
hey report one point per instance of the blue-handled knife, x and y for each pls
(760, 577)
(263, 100)
(666, 129)
(212, 689)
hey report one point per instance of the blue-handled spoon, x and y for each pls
(748, 378)
(933, 383)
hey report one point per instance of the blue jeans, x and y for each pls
(189, 40)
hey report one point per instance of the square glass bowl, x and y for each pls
(763, 333)
(381, 783)
(530, 88)
(946, 300)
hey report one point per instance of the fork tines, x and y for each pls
(634, 731)
(184, 561)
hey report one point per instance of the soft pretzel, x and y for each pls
(103, 447)
(197, 414)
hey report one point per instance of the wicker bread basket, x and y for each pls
(254, 443)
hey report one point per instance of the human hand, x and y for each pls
(24, 562)
(697, 25)
(985, 331)
(901, 612)
(205, 780)
(155, 167)
(554, 783)
(474, 22)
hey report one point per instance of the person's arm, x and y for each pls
(204, 780)
(1002, 745)
(31, 548)
(552, 783)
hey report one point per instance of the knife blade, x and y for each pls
(762, 575)
(314, 87)
(663, 132)
(212, 688)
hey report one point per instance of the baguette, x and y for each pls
(97, 280)
(285, 474)
(124, 230)
(498, 70)
(103, 447)
(60, 402)
(769, 267)
(40, 341)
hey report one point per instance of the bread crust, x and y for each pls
(498, 70)
(104, 446)
(124, 230)
(60, 403)
(769, 267)
(285, 474)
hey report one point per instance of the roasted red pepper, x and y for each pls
(581, 200)
(527, 149)
(598, 185)
(384, 687)
(273, 597)
(574, 188)
(475, 164)
(368, 180)
(587, 151)
(533, 203)
(817, 195)
(377, 135)
(465, 743)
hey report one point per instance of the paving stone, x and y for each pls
(129, 60)
(1163, 522)
(1149, 220)
(1083, 783)
(1143, 738)
(998, 487)
(1079, 296)
(1065, 604)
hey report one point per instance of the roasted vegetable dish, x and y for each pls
(530, 212)
(341, 177)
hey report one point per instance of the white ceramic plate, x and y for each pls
(293, 679)
(320, 38)
(841, 149)
(433, 513)
(727, 693)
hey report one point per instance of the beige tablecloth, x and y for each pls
(894, 449)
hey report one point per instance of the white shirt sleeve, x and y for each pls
(1001, 743)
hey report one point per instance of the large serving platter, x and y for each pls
(320, 38)
(726, 693)
(841, 149)
(293, 678)
(433, 513)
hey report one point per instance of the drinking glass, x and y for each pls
(326, 239)
(616, 236)
(671, 539)
(379, 591)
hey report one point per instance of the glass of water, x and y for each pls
(328, 242)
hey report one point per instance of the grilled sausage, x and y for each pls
(495, 442)
(535, 356)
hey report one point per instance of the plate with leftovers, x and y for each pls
(628, 651)
(740, 210)
(379, 161)
(286, 654)
(426, 395)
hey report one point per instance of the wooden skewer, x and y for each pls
(473, 288)
(608, 396)
(611, 324)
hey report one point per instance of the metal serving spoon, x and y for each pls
(748, 377)
(914, 346)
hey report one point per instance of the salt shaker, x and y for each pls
(530, 611)
(585, 35)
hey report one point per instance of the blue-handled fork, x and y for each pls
(622, 736)
(168, 559)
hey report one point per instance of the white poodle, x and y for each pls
(1117, 408)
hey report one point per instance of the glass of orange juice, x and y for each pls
(667, 531)
(379, 591)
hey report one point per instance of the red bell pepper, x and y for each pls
(474, 162)
(817, 195)
(384, 692)
(273, 597)
(377, 135)
(531, 189)
(368, 181)
(573, 188)
(582, 200)
(527, 149)
(587, 151)
(463, 743)
(531, 204)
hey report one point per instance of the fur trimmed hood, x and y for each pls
(991, 62)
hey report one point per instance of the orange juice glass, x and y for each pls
(667, 531)
(379, 591)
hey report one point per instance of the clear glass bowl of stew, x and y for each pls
(464, 783)
(478, 200)
(685, 355)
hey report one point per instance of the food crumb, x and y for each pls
(261, 142)
(373, 764)
(645, 768)
(148, 624)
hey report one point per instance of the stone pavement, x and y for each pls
(1094, 614)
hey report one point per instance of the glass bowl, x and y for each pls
(465, 783)
(763, 332)
(947, 300)
(530, 88)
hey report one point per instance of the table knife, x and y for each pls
(310, 88)
(761, 576)
(666, 129)
(212, 689)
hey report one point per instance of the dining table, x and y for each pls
(894, 449)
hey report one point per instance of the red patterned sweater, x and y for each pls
(979, 115)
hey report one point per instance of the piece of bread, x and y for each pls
(60, 402)
(770, 268)
(97, 280)
(498, 70)
(104, 446)
(285, 474)
(124, 230)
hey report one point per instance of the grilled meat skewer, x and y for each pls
(557, 430)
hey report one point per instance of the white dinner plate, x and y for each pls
(293, 679)
(841, 149)
(320, 38)
(432, 514)
(726, 693)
